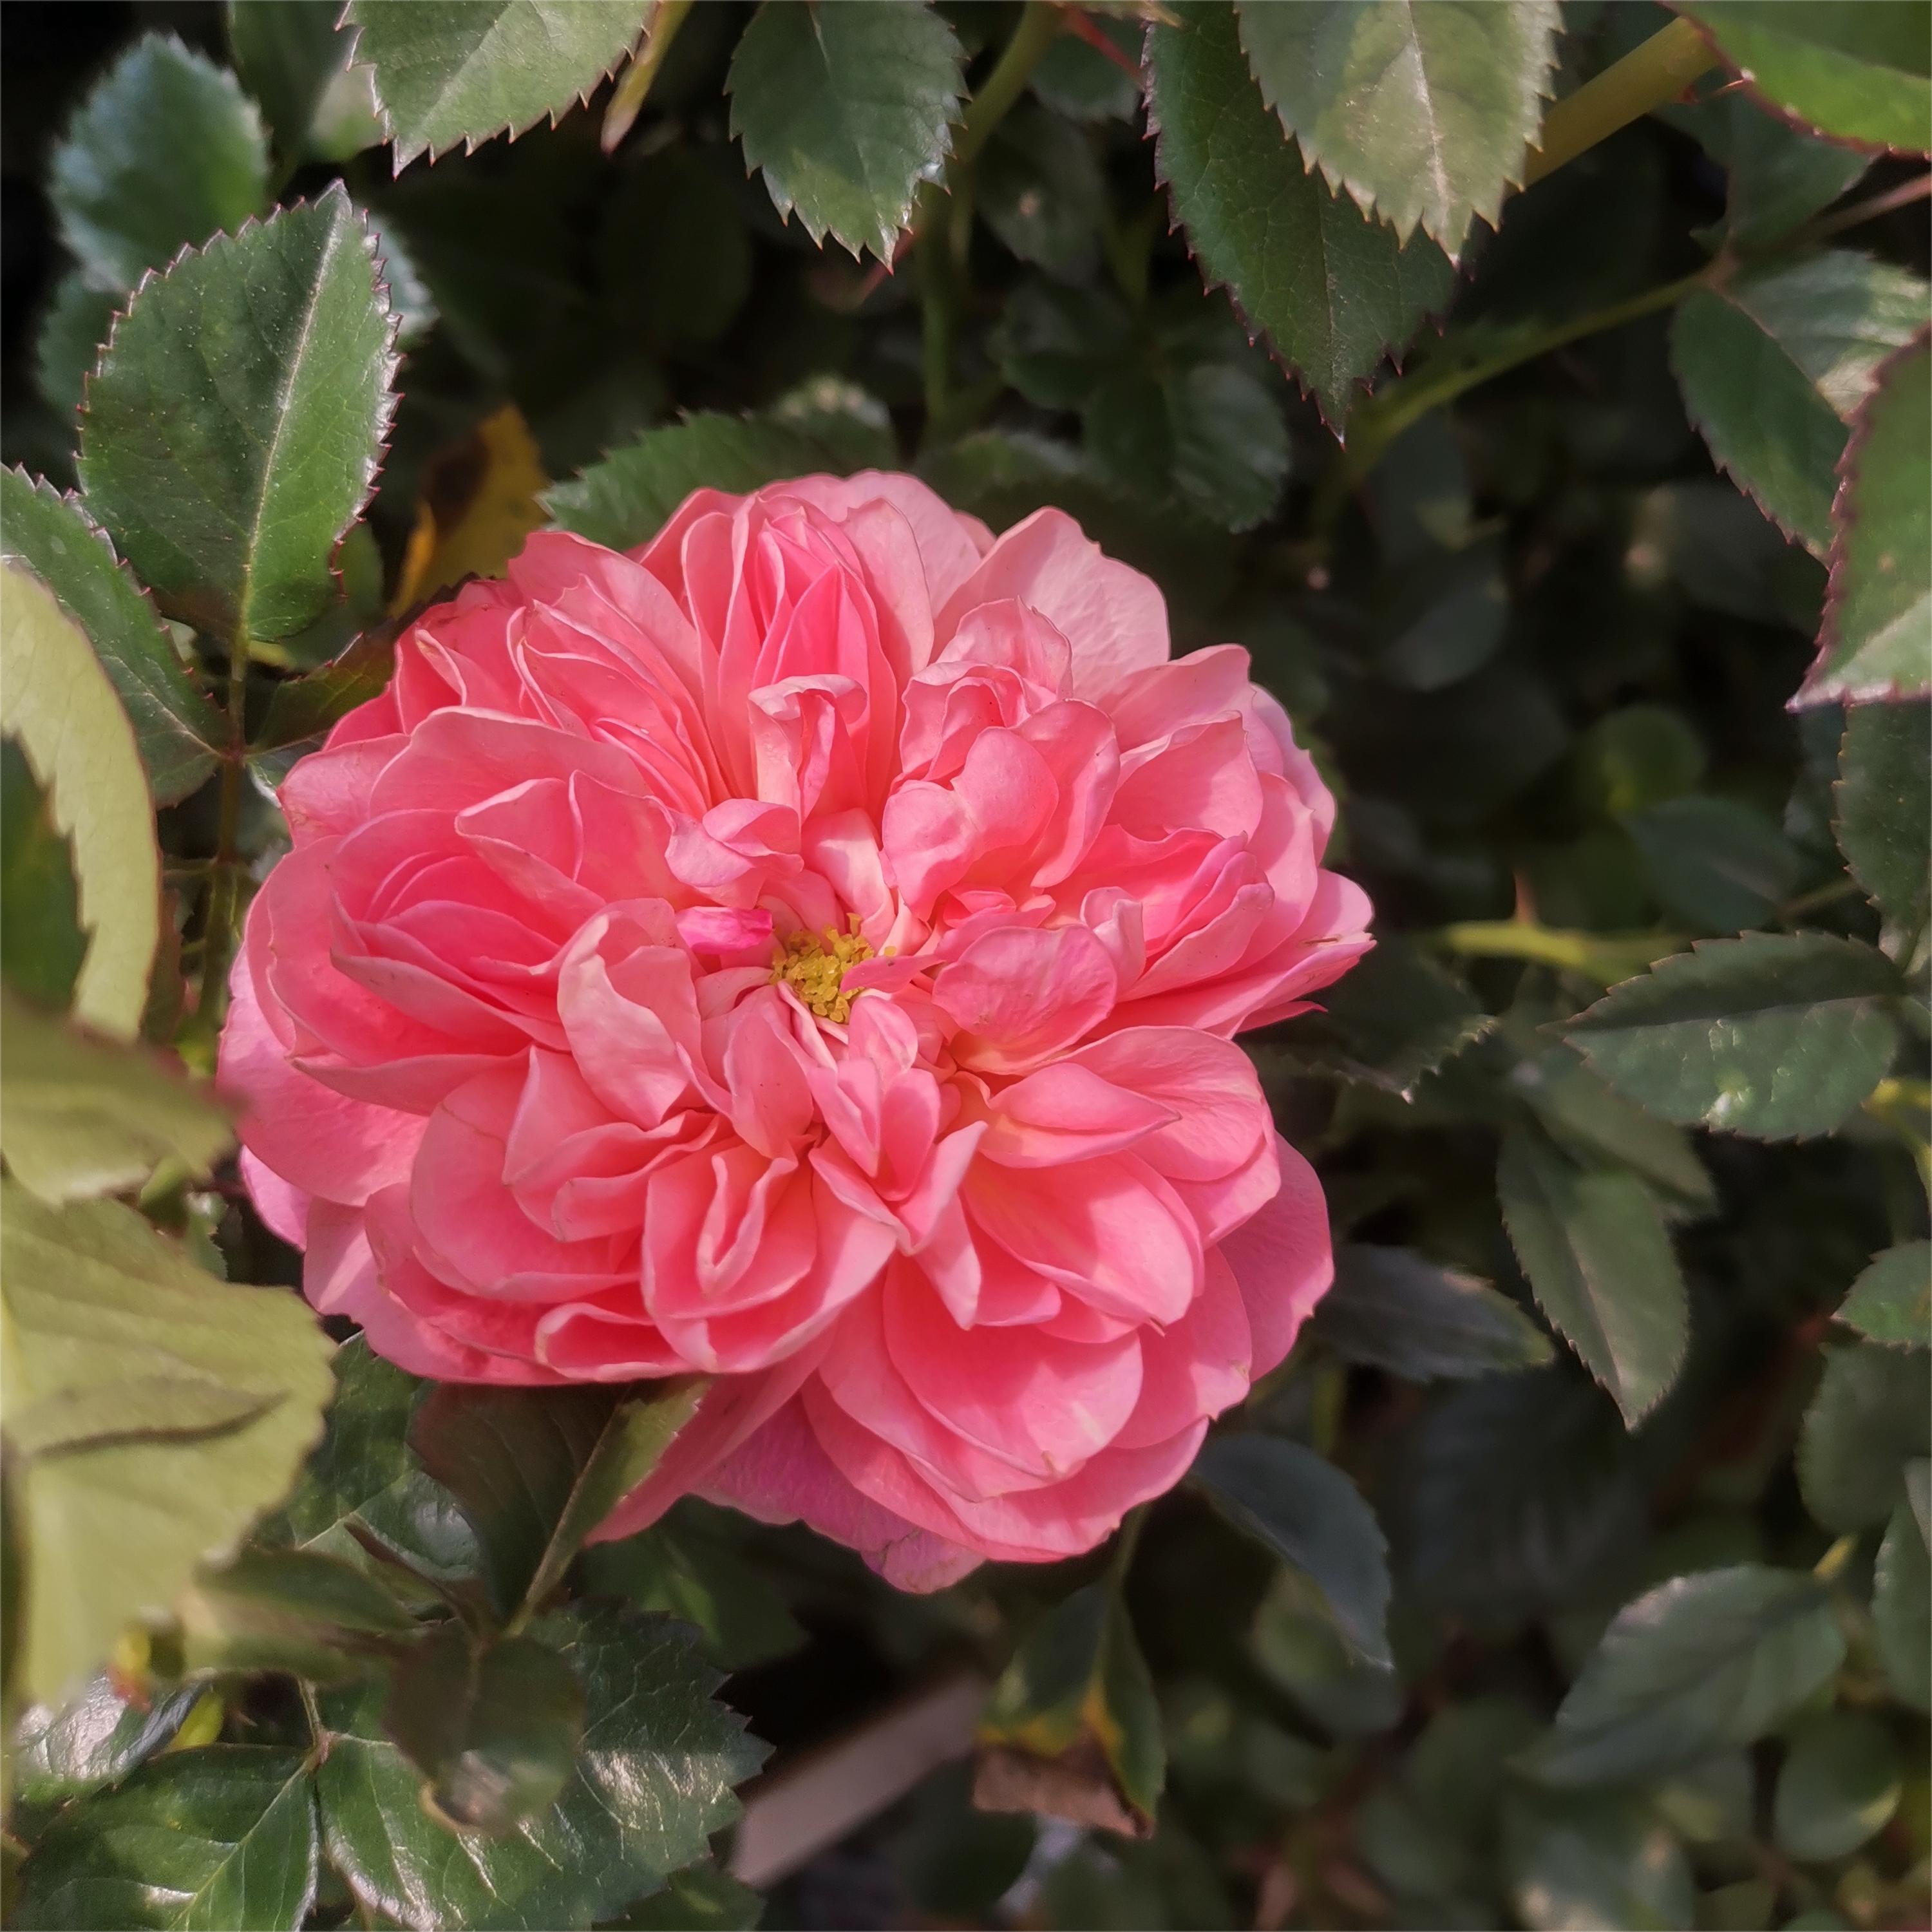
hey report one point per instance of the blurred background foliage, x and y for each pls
(1573, 1572)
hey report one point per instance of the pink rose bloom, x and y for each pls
(806, 951)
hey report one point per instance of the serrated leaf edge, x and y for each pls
(390, 397)
(1393, 353)
(1490, 217)
(1810, 691)
(470, 143)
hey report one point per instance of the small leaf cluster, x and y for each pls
(1540, 396)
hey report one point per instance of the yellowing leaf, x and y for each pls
(478, 503)
(55, 699)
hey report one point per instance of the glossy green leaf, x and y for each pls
(536, 1471)
(304, 707)
(461, 70)
(1884, 802)
(1595, 1860)
(1397, 1016)
(1394, 1309)
(56, 701)
(701, 1898)
(293, 56)
(222, 1836)
(624, 500)
(1714, 864)
(846, 109)
(1309, 1514)
(166, 151)
(1771, 1036)
(83, 1116)
(96, 1738)
(1891, 1300)
(1857, 73)
(41, 943)
(1333, 289)
(1867, 1421)
(176, 725)
(1595, 1249)
(362, 1481)
(1423, 114)
(1902, 1606)
(1879, 605)
(234, 425)
(1838, 1785)
(494, 1724)
(1072, 1729)
(652, 1781)
(174, 1408)
(1720, 1658)
(1774, 365)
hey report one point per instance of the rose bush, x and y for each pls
(806, 951)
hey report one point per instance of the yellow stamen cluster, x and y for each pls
(813, 965)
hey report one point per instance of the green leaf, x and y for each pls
(673, 252)
(1422, 113)
(451, 70)
(236, 421)
(1772, 1036)
(1884, 800)
(1715, 865)
(1774, 366)
(1297, 1645)
(83, 1117)
(493, 1724)
(1595, 1860)
(1891, 1300)
(1867, 1421)
(1075, 79)
(1391, 1308)
(97, 1737)
(1777, 176)
(624, 500)
(1398, 1015)
(1333, 289)
(166, 151)
(1718, 1658)
(41, 943)
(1839, 1786)
(176, 725)
(222, 1836)
(652, 1781)
(534, 1472)
(362, 1482)
(1902, 1607)
(74, 324)
(847, 109)
(1879, 603)
(294, 58)
(1039, 189)
(1857, 73)
(1308, 1513)
(222, 1386)
(1595, 1250)
(56, 701)
(302, 708)
(293, 1610)
(1072, 1729)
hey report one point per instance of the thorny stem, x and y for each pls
(1646, 78)
(1605, 957)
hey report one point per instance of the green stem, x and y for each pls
(935, 265)
(627, 99)
(1605, 957)
(1646, 78)
(1039, 27)
(221, 910)
(1123, 1559)
(1452, 372)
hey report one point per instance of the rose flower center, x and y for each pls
(813, 964)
